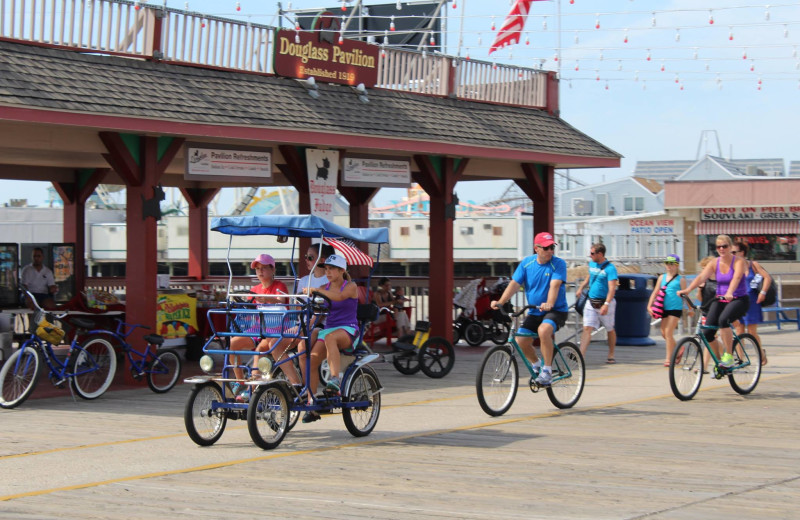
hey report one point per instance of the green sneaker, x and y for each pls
(726, 361)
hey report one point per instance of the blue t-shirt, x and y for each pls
(598, 280)
(535, 279)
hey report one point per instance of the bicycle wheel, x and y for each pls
(93, 368)
(324, 372)
(499, 333)
(497, 380)
(474, 334)
(686, 373)
(747, 364)
(19, 375)
(362, 387)
(436, 357)
(268, 416)
(204, 424)
(164, 371)
(406, 362)
(569, 376)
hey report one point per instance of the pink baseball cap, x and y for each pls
(263, 259)
(544, 239)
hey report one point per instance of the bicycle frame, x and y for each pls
(512, 339)
(122, 339)
(698, 333)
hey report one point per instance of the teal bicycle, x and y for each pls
(687, 366)
(498, 376)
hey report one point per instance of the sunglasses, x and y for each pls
(551, 247)
(671, 263)
(723, 246)
(592, 252)
(311, 258)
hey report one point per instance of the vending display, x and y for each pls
(9, 275)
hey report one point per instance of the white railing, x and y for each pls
(162, 33)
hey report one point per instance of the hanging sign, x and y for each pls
(751, 213)
(375, 171)
(323, 174)
(319, 53)
(176, 315)
(208, 162)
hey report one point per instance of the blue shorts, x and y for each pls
(351, 331)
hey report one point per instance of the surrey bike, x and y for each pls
(275, 404)
(88, 369)
(498, 375)
(687, 366)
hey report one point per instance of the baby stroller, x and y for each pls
(477, 321)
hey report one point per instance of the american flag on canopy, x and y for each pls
(510, 32)
(349, 250)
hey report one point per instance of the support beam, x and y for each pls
(539, 185)
(74, 195)
(198, 200)
(359, 198)
(296, 173)
(438, 177)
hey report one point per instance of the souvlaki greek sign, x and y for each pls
(750, 213)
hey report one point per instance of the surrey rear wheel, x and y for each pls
(436, 357)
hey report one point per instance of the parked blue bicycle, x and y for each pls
(88, 369)
(160, 366)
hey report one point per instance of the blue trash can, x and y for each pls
(632, 322)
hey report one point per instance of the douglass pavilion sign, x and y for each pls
(319, 54)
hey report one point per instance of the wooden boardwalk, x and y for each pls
(629, 449)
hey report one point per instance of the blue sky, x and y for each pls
(634, 107)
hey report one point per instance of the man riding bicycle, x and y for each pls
(543, 276)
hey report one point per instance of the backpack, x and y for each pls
(658, 304)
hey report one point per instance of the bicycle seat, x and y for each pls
(154, 339)
(82, 323)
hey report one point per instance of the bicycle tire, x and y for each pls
(747, 368)
(686, 373)
(497, 380)
(569, 376)
(164, 371)
(474, 334)
(268, 416)
(436, 357)
(204, 425)
(406, 362)
(93, 366)
(362, 386)
(19, 375)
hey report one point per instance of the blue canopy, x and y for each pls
(304, 226)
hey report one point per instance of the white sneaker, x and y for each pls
(545, 378)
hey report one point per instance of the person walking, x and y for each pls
(543, 276)
(754, 315)
(601, 307)
(672, 310)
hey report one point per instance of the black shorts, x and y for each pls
(532, 322)
(673, 312)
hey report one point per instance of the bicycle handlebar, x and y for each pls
(688, 301)
(36, 304)
(517, 313)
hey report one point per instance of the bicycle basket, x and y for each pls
(44, 329)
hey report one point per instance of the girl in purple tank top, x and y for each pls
(341, 327)
(732, 300)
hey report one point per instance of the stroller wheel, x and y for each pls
(474, 334)
(456, 335)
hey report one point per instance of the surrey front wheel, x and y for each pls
(18, 376)
(164, 371)
(436, 357)
(94, 367)
(497, 380)
(569, 376)
(747, 364)
(362, 402)
(268, 416)
(686, 368)
(204, 424)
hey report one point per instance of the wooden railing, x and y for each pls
(138, 29)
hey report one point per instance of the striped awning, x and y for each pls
(749, 227)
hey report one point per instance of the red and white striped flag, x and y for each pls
(350, 251)
(511, 30)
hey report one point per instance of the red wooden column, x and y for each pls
(539, 186)
(75, 194)
(438, 177)
(358, 198)
(296, 173)
(140, 161)
(198, 200)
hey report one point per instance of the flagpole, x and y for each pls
(558, 30)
